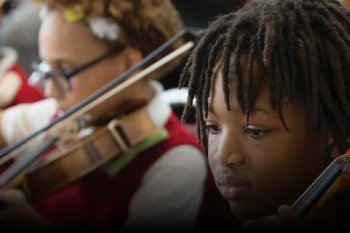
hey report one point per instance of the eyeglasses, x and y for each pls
(61, 78)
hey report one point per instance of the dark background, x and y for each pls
(197, 14)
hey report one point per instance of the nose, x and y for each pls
(228, 152)
(51, 89)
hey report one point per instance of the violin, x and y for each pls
(94, 150)
(91, 152)
(333, 179)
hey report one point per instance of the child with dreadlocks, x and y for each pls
(271, 84)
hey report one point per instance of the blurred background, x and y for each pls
(197, 14)
(20, 23)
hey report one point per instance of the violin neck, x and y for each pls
(25, 161)
(323, 188)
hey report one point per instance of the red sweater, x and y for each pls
(25, 93)
(100, 202)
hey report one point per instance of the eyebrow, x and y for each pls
(258, 111)
(273, 115)
(216, 69)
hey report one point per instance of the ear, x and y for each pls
(131, 57)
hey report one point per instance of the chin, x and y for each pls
(248, 211)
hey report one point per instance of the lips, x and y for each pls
(233, 188)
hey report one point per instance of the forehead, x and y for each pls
(293, 111)
(57, 37)
(239, 91)
(240, 78)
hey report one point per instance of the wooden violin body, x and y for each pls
(91, 152)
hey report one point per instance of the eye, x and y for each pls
(54, 69)
(256, 133)
(65, 68)
(212, 128)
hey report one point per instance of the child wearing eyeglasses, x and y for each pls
(165, 184)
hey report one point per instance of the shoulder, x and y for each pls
(183, 162)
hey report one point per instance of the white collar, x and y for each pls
(158, 109)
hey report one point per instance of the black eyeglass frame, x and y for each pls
(69, 74)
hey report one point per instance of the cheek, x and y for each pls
(213, 146)
(285, 170)
(211, 161)
(80, 90)
(84, 86)
(304, 153)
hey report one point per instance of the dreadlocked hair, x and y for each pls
(301, 49)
